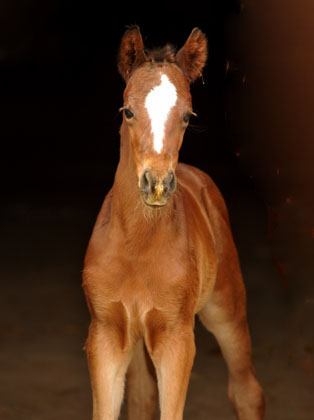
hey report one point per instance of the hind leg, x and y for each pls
(225, 316)
(142, 391)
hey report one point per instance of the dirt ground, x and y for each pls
(44, 318)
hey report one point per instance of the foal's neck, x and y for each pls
(133, 215)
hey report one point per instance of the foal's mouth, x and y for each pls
(155, 206)
(152, 203)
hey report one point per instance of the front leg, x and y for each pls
(173, 365)
(172, 351)
(108, 359)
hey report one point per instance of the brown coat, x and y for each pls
(162, 251)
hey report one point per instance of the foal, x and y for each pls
(162, 251)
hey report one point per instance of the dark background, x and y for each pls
(60, 90)
(59, 98)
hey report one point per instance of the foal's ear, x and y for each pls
(191, 58)
(131, 53)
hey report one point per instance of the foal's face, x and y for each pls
(157, 108)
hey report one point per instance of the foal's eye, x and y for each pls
(128, 114)
(187, 117)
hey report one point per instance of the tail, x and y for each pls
(142, 391)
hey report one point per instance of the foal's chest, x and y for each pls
(164, 279)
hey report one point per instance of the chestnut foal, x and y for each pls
(162, 251)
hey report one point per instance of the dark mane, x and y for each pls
(160, 55)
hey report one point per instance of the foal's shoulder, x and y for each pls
(203, 188)
(194, 177)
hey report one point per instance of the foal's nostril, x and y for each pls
(147, 181)
(170, 183)
(157, 188)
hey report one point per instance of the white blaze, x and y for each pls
(158, 103)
